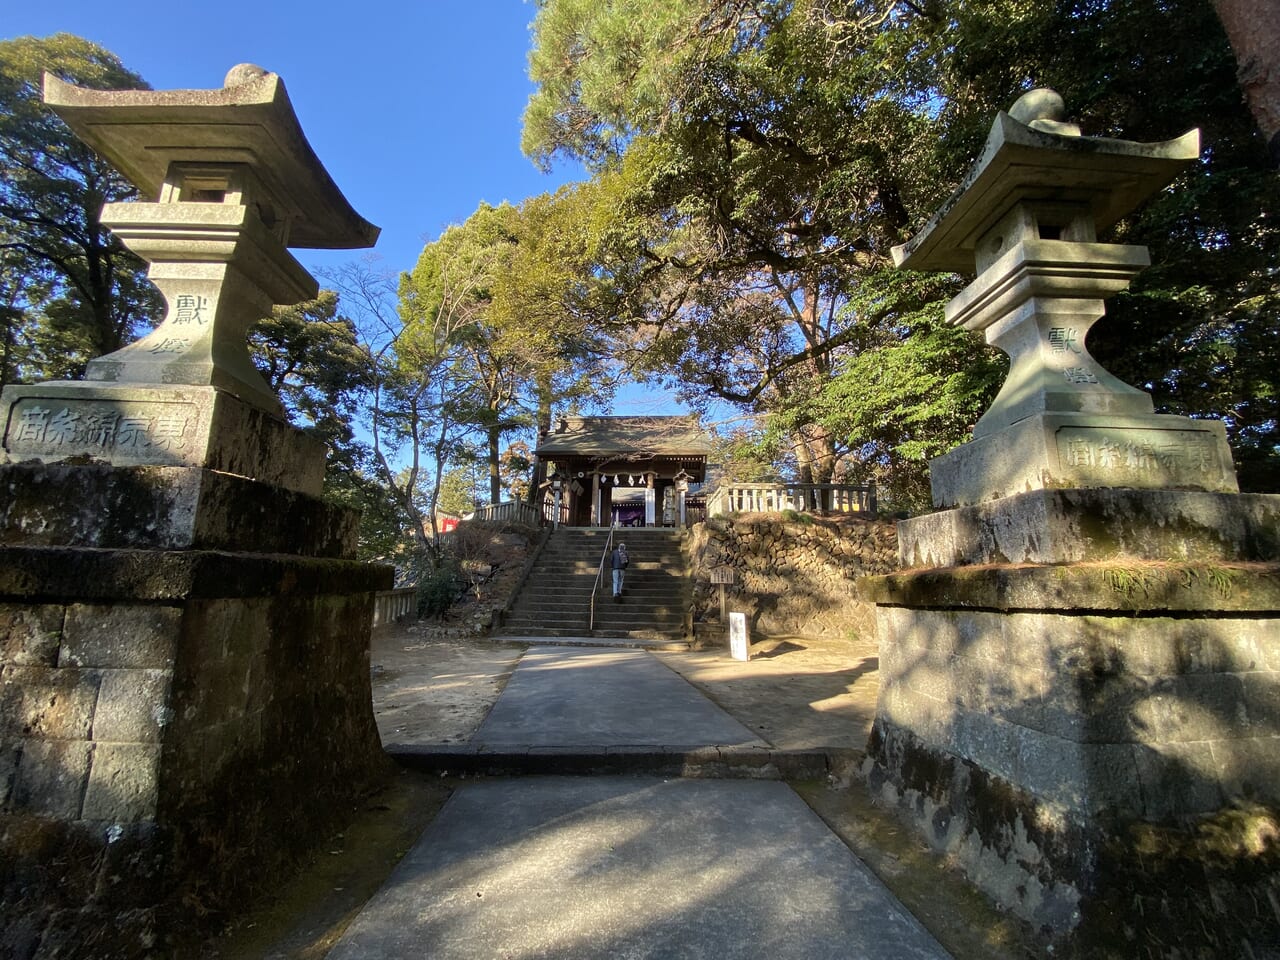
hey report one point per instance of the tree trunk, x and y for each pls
(539, 477)
(493, 436)
(107, 337)
(10, 317)
(1253, 29)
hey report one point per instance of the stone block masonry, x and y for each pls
(155, 712)
(792, 577)
(1091, 732)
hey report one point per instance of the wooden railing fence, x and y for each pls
(511, 511)
(389, 605)
(819, 498)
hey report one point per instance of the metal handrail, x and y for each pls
(608, 549)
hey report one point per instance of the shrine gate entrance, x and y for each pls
(633, 471)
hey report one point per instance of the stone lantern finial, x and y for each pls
(1044, 109)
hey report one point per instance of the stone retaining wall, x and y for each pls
(1079, 705)
(172, 740)
(794, 574)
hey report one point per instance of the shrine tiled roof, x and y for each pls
(653, 436)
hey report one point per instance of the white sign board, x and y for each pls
(738, 648)
(722, 574)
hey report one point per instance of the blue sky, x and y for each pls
(414, 107)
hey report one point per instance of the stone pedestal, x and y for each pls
(1080, 666)
(185, 703)
(184, 691)
(1067, 674)
(136, 424)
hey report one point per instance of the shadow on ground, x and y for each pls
(796, 693)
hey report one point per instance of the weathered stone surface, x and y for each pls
(257, 682)
(30, 634)
(1248, 768)
(1257, 712)
(1127, 587)
(791, 576)
(47, 703)
(10, 752)
(151, 575)
(1023, 162)
(1145, 718)
(1021, 851)
(122, 782)
(265, 699)
(51, 778)
(1099, 876)
(250, 116)
(1070, 526)
(168, 425)
(1178, 779)
(96, 505)
(1038, 453)
(120, 635)
(133, 706)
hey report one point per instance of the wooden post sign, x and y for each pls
(721, 575)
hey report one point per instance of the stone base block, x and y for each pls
(208, 713)
(166, 508)
(1103, 888)
(1073, 450)
(177, 426)
(1073, 526)
(1046, 725)
(1141, 717)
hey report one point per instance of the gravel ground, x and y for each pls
(795, 693)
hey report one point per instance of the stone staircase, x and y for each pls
(556, 598)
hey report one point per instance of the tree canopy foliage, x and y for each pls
(759, 159)
(493, 305)
(69, 291)
(768, 155)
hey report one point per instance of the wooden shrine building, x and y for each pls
(627, 470)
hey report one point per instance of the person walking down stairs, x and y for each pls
(618, 560)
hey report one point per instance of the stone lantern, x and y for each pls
(1027, 217)
(182, 616)
(235, 183)
(1079, 649)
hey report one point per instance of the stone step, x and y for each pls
(640, 599)
(622, 613)
(581, 636)
(556, 599)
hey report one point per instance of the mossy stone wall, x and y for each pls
(794, 574)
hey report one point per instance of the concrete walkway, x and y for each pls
(589, 697)
(626, 866)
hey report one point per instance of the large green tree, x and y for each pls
(759, 159)
(510, 280)
(454, 279)
(767, 156)
(312, 358)
(70, 291)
